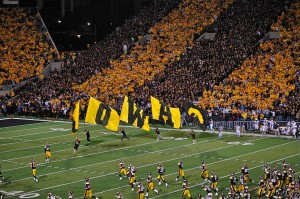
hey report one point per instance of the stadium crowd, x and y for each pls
(24, 50)
(173, 65)
(84, 64)
(170, 38)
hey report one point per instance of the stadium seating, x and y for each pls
(170, 38)
(172, 66)
(24, 49)
(84, 64)
(267, 77)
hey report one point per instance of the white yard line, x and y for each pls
(221, 176)
(124, 148)
(65, 184)
(40, 133)
(7, 160)
(117, 188)
(37, 140)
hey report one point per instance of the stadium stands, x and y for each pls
(172, 66)
(265, 80)
(84, 64)
(171, 37)
(24, 49)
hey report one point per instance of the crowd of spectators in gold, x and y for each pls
(81, 65)
(24, 50)
(170, 38)
(268, 80)
(236, 71)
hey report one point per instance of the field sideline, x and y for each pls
(99, 159)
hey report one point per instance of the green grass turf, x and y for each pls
(99, 159)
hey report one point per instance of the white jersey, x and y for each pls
(238, 131)
(265, 125)
(220, 133)
(271, 124)
(256, 124)
(238, 128)
(294, 129)
(211, 124)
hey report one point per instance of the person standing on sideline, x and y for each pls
(211, 126)
(33, 166)
(88, 136)
(47, 153)
(220, 132)
(243, 128)
(256, 125)
(76, 145)
(193, 136)
(124, 135)
(238, 131)
(294, 129)
(158, 134)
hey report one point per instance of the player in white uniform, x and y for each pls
(238, 130)
(211, 126)
(220, 132)
(271, 125)
(256, 125)
(294, 129)
(265, 126)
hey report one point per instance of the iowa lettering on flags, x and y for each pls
(162, 112)
(134, 115)
(75, 118)
(99, 113)
(195, 111)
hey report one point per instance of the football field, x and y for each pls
(99, 160)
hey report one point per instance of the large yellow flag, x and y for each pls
(162, 112)
(75, 118)
(99, 113)
(134, 115)
(195, 111)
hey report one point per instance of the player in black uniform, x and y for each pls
(122, 169)
(88, 136)
(47, 153)
(161, 172)
(193, 136)
(180, 170)
(76, 145)
(88, 189)
(124, 135)
(158, 134)
(33, 166)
